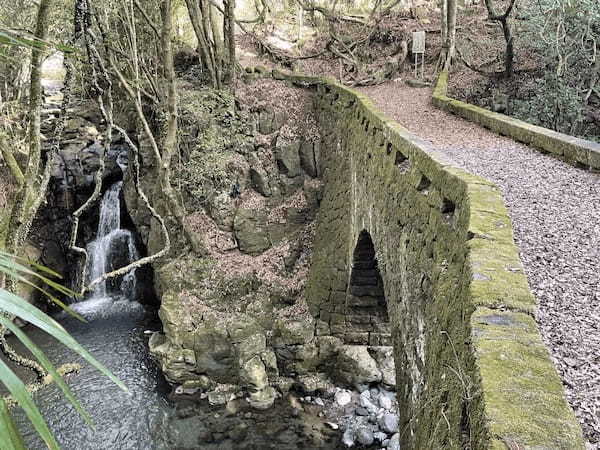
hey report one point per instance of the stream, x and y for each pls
(115, 336)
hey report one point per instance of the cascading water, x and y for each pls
(113, 248)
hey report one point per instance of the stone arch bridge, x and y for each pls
(413, 250)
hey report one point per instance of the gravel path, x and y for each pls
(555, 209)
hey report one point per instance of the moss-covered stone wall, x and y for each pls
(576, 151)
(471, 367)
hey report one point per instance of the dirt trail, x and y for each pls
(555, 209)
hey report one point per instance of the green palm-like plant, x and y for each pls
(12, 305)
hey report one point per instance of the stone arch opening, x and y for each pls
(366, 306)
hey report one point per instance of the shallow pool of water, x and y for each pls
(115, 335)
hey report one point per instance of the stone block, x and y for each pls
(288, 159)
(251, 232)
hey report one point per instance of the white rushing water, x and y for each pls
(113, 248)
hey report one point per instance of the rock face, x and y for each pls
(81, 149)
(234, 321)
(356, 366)
(288, 159)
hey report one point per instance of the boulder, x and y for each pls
(221, 394)
(253, 375)
(384, 356)
(356, 366)
(288, 159)
(348, 437)
(388, 423)
(270, 361)
(260, 181)
(221, 209)
(215, 355)
(394, 443)
(342, 398)
(364, 436)
(292, 332)
(263, 399)
(250, 228)
(314, 382)
(385, 402)
(368, 403)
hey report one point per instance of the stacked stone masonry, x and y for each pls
(471, 369)
(366, 308)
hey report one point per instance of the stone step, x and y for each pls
(366, 291)
(364, 264)
(364, 280)
(365, 272)
(363, 302)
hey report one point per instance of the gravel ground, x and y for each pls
(555, 209)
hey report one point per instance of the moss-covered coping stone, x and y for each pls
(576, 151)
(470, 363)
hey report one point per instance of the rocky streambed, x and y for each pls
(333, 418)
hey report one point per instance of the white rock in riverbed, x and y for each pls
(364, 436)
(394, 443)
(385, 402)
(342, 398)
(388, 423)
(348, 438)
(379, 436)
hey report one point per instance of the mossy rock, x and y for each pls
(250, 228)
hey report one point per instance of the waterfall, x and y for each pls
(113, 248)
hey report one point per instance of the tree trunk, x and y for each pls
(169, 141)
(217, 34)
(451, 33)
(11, 162)
(509, 56)
(204, 49)
(33, 191)
(448, 33)
(229, 34)
(24, 209)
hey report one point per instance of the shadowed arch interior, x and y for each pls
(366, 306)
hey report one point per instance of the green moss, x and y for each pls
(4, 218)
(516, 370)
(211, 135)
(183, 274)
(437, 269)
(573, 150)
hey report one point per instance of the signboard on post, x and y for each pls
(418, 48)
(418, 42)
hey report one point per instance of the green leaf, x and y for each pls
(10, 266)
(29, 262)
(46, 364)
(15, 305)
(9, 434)
(19, 392)
(11, 38)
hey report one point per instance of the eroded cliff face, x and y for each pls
(80, 150)
(235, 318)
